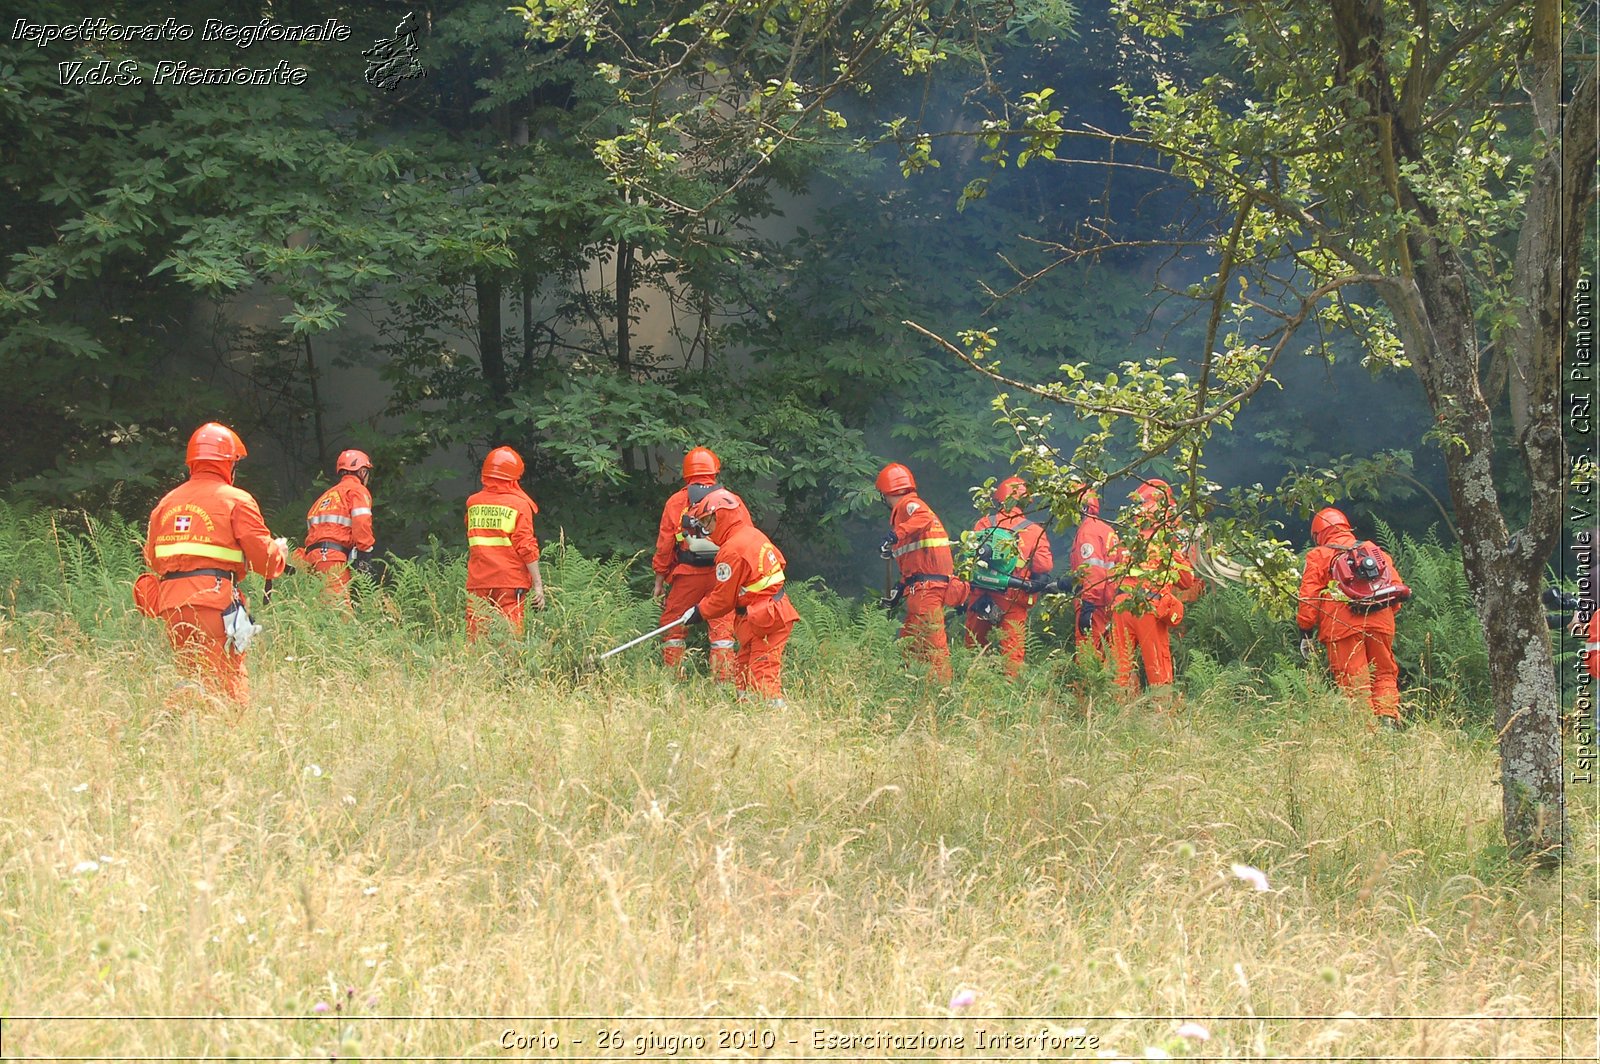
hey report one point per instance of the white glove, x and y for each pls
(236, 622)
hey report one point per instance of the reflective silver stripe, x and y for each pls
(1587, 647)
(361, 511)
(723, 644)
(331, 520)
(674, 642)
(1100, 563)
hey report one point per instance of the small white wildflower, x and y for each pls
(288, 657)
(1196, 1032)
(314, 771)
(238, 918)
(1253, 876)
(369, 891)
(349, 799)
(85, 868)
(1156, 1053)
(963, 999)
(80, 788)
(202, 886)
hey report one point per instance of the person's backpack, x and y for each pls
(996, 557)
(1365, 578)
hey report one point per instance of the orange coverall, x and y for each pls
(749, 584)
(337, 523)
(1148, 605)
(1093, 549)
(922, 550)
(203, 536)
(500, 547)
(1360, 645)
(688, 580)
(1034, 547)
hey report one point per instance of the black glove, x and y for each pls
(1085, 616)
(886, 548)
(289, 570)
(1308, 645)
(891, 601)
(1556, 599)
(694, 616)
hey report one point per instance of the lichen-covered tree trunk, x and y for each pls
(1436, 320)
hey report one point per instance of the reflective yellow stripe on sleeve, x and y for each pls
(488, 541)
(199, 550)
(764, 583)
(921, 544)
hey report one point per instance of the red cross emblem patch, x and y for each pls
(182, 523)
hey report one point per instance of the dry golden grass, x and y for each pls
(428, 838)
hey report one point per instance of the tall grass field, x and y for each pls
(406, 847)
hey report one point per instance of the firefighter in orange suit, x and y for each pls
(203, 537)
(750, 585)
(339, 524)
(1158, 579)
(1360, 645)
(1093, 548)
(684, 566)
(502, 551)
(919, 544)
(1033, 549)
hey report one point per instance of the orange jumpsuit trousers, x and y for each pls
(507, 600)
(759, 665)
(685, 590)
(1013, 634)
(199, 643)
(1148, 632)
(1363, 665)
(923, 629)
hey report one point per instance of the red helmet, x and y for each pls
(895, 479)
(1090, 502)
(1010, 488)
(720, 499)
(1326, 522)
(503, 463)
(352, 462)
(214, 442)
(701, 462)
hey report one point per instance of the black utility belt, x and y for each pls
(220, 574)
(696, 560)
(924, 578)
(328, 544)
(740, 611)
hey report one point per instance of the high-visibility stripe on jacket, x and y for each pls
(1093, 550)
(922, 546)
(749, 568)
(342, 515)
(207, 523)
(500, 538)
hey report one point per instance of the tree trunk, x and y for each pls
(491, 345)
(1436, 321)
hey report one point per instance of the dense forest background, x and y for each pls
(434, 270)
